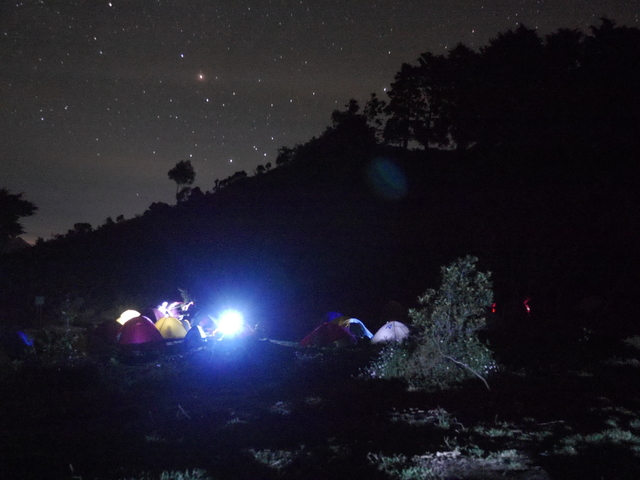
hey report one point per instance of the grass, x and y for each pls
(271, 411)
(195, 474)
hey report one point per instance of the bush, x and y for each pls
(445, 348)
(60, 344)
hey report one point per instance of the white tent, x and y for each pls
(391, 332)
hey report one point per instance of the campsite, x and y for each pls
(563, 401)
(248, 407)
(405, 296)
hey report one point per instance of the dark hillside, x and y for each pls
(536, 176)
(315, 236)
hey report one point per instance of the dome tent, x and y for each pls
(357, 328)
(153, 314)
(391, 332)
(16, 345)
(127, 315)
(328, 334)
(354, 326)
(196, 337)
(139, 331)
(171, 328)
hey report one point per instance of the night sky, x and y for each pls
(99, 99)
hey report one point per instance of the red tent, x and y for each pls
(328, 334)
(137, 331)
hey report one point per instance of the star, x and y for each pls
(143, 80)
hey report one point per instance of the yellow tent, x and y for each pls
(171, 328)
(342, 320)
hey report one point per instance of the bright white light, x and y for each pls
(127, 315)
(164, 308)
(230, 322)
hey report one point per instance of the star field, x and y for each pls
(98, 100)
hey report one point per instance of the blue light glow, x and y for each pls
(387, 179)
(230, 323)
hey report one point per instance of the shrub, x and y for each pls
(56, 344)
(195, 474)
(445, 347)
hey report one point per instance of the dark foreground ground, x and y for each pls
(265, 410)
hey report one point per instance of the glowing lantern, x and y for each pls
(127, 315)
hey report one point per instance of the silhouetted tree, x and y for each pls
(80, 229)
(408, 108)
(342, 116)
(239, 175)
(566, 92)
(196, 194)
(285, 155)
(183, 174)
(610, 97)
(512, 81)
(183, 194)
(453, 85)
(158, 209)
(12, 208)
(350, 133)
(373, 112)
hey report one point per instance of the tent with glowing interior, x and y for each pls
(139, 332)
(171, 328)
(391, 332)
(355, 327)
(329, 334)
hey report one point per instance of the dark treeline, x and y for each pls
(563, 104)
(569, 91)
(528, 161)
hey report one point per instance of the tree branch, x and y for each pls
(468, 368)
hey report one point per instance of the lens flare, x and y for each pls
(386, 179)
(230, 323)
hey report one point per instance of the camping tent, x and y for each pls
(341, 320)
(206, 322)
(127, 315)
(391, 332)
(171, 328)
(195, 338)
(139, 331)
(355, 326)
(328, 334)
(16, 345)
(153, 314)
(358, 329)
